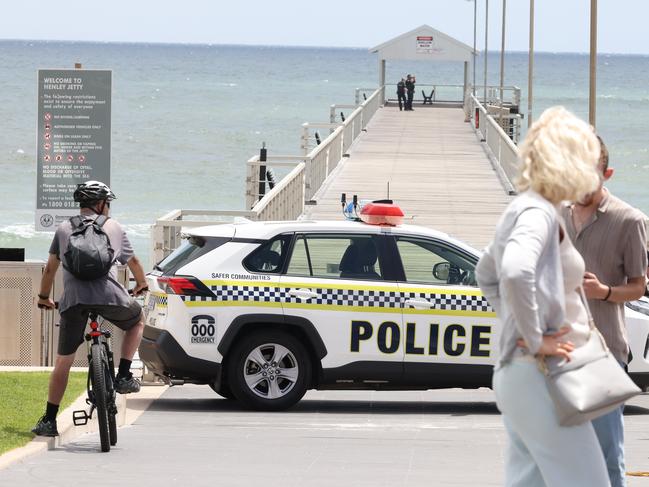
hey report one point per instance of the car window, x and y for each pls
(335, 257)
(191, 249)
(269, 257)
(430, 262)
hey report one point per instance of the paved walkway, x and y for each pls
(437, 169)
(190, 437)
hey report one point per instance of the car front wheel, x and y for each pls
(269, 370)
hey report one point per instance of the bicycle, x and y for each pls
(100, 385)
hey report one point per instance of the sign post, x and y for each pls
(73, 145)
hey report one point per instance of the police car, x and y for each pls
(264, 311)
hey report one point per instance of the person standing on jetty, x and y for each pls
(103, 295)
(530, 274)
(401, 94)
(410, 89)
(610, 235)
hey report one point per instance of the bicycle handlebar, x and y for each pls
(131, 293)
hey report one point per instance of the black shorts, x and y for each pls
(74, 320)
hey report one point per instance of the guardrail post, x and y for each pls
(308, 193)
(156, 240)
(252, 183)
(305, 138)
(517, 96)
(262, 170)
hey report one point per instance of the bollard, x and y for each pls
(262, 171)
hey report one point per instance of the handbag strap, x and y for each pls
(591, 320)
(584, 300)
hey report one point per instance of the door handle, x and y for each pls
(302, 294)
(418, 303)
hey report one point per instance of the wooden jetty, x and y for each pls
(436, 167)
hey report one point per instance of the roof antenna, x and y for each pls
(388, 189)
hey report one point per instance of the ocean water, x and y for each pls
(186, 118)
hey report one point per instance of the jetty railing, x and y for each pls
(454, 94)
(503, 150)
(256, 185)
(286, 200)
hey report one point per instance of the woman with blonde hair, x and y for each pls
(531, 274)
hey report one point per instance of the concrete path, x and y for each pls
(190, 437)
(437, 169)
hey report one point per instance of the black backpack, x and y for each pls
(89, 255)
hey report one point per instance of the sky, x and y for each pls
(561, 25)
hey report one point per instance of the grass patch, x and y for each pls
(22, 403)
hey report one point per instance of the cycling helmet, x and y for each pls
(93, 191)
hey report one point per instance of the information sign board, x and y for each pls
(74, 113)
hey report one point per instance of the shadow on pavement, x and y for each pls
(630, 410)
(82, 447)
(308, 406)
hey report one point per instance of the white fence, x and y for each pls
(286, 200)
(28, 335)
(501, 146)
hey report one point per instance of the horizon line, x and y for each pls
(284, 46)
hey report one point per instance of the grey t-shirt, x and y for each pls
(612, 244)
(105, 290)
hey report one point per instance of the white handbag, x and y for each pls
(591, 384)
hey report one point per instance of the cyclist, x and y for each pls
(104, 296)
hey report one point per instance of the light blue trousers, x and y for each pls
(610, 433)
(540, 452)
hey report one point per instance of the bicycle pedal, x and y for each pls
(80, 417)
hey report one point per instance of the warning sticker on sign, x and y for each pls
(425, 44)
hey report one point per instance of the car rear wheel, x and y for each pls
(269, 370)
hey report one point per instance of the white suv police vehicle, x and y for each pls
(263, 311)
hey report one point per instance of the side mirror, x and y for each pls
(441, 271)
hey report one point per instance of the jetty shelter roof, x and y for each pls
(424, 44)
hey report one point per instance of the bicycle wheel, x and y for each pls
(112, 411)
(98, 380)
(112, 429)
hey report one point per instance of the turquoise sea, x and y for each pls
(187, 117)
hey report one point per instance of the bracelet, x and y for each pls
(43, 297)
(608, 295)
